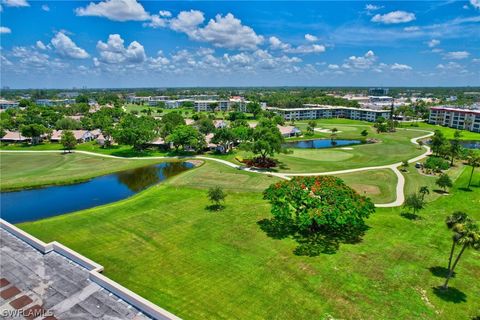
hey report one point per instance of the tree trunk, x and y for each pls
(451, 255)
(450, 274)
(471, 176)
(451, 162)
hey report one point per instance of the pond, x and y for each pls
(473, 144)
(34, 204)
(320, 143)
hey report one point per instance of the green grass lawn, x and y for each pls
(379, 185)
(448, 132)
(19, 170)
(164, 245)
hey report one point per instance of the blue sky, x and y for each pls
(130, 43)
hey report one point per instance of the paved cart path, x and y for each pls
(400, 195)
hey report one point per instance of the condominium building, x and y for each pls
(51, 102)
(455, 118)
(315, 111)
(7, 104)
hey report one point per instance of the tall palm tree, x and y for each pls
(473, 161)
(453, 222)
(424, 191)
(470, 239)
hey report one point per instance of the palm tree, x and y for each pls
(473, 160)
(457, 218)
(470, 238)
(424, 191)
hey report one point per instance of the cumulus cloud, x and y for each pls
(65, 47)
(155, 22)
(475, 3)
(116, 10)
(40, 45)
(5, 30)
(362, 62)
(114, 51)
(401, 67)
(456, 55)
(433, 43)
(411, 29)
(164, 13)
(277, 44)
(333, 66)
(372, 7)
(223, 31)
(314, 48)
(16, 3)
(45, 7)
(310, 38)
(394, 17)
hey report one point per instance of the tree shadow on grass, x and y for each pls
(312, 243)
(466, 189)
(440, 272)
(410, 216)
(450, 295)
(215, 207)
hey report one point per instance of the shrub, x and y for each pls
(436, 164)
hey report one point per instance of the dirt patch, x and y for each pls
(366, 188)
(196, 163)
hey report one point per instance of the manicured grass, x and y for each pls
(379, 185)
(19, 170)
(448, 132)
(165, 246)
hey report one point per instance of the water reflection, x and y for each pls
(320, 143)
(28, 205)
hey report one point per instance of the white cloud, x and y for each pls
(45, 8)
(372, 7)
(394, 17)
(277, 44)
(114, 51)
(456, 55)
(155, 22)
(475, 3)
(433, 43)
(402, 67)
(476, 60)
(362, 62)
(5, 30)
(116, 10)
(310, 38)
(164, 13)
(314, 48)
(411, 29)
(40, 45)
(16, 3)
(67, 48)
(333, 66)
(223, 31)
(449, 66)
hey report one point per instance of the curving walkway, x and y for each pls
(400, 196)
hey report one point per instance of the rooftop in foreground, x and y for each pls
(49, 285)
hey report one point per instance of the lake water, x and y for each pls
(471, 144)
(320, 143)
(34, 204)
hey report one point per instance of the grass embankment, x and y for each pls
(165, 246)
(20, 170)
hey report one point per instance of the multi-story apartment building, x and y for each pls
(314, 111)
(7, 104)
(51, 102)
(455, 118)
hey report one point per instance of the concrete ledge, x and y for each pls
(94, 269)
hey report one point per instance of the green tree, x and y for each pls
(364, 133)
(205, 125)
(315, 203)
(254, 108)
(33, 131)
(212, 106)
(469, 238)
(473, 160)
(67, 124)
(438, 142)
(266, 140)
(169, 122)
(224, 137)
(423, 191)
(333, 135)
(415, 202)
(405, 165)
(453, 221)
(455, 146)
(216, 195)
(68, 140)
(444, 182)
(136, 131)
(187, 136)
(81, 99)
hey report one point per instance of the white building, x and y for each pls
(7, 104)
(51, 102)
(315, 111)
(463, 119)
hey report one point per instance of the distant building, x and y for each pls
(7, 104)
(69, 95)
(315, 111)
(463, 119)
(52, 103)
(378, 91)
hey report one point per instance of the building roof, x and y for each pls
(323, 107)
(14, 136)
(78, 134)
(287, 129)
(59, 282)
(456, 110)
